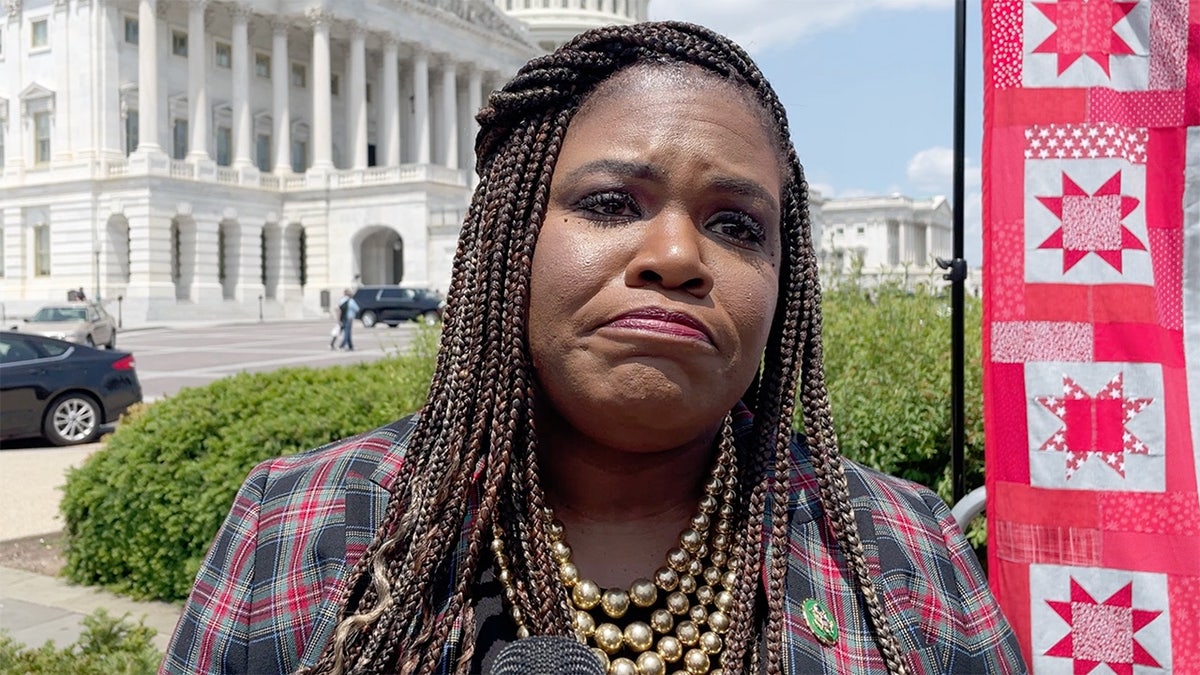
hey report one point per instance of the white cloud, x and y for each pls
(759, 25)
(932, 171)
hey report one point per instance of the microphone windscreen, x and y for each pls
(546, 655)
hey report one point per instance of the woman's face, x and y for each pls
(656, 271)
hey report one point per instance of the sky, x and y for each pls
(869, 90)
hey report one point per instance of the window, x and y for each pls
(262, 65)
(299, 156)
(179, 139)
(41, 137)
(262, 260)
(224, 55)
(221, 253)
(303, 259)
(179, 43)
(176, 251)
(39, 34)
(224, 143)
(131, 30)
(1, 251)
(334, 84)
(299, 75)
(131, 132)
(262, 152)
(41, 250)
(368, 92)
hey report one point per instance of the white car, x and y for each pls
(85, 323)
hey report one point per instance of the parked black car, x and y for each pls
(60, 390)
(394, 304)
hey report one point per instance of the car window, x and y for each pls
(390, 294)
(13, 350)
(53, 348)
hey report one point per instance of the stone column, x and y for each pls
(449, 114)
(60, 149)
(322, 105)
(14, 145)
(250, 284)
(356, 101)
(420, 75)
(280, 82)
(474, 103)
(390, 107)
(240, 63)
(206, 285)
(197, 83)
(148, 78)
(149, 248)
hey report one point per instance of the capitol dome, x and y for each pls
(554, 22)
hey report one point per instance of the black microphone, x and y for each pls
(546, 655)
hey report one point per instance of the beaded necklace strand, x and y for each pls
(680, 613)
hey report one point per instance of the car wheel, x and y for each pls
(369, 319)
(392, 324)
(72, 419)
(112, 341)
(90, 342)
(429, 318)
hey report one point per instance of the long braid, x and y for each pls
(475, 441)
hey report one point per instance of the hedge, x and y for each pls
(141, 513)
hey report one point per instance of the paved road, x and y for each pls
(173, 358)
(169, 359)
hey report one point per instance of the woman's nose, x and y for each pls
(669, 254)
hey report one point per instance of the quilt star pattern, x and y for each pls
(1091, 223)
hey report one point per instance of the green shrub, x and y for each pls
(107, 646)
(887, 361)
(140, 514)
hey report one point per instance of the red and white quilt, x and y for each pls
(1091, 217)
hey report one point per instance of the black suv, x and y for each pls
(393, 304)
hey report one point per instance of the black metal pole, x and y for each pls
(958, 266)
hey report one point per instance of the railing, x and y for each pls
(209, 172)
(182, 169)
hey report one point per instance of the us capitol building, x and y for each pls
(204, 159)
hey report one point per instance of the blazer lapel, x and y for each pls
(365, 504)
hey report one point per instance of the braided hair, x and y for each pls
(474, 441)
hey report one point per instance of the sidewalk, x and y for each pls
(36, 608)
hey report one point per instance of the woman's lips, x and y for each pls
(665, 322)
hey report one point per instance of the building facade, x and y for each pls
(553, 22)
(892, 237)
(191, 156)
(215, 159)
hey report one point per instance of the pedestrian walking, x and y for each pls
(347, 311)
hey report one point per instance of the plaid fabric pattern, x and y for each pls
(265, 599)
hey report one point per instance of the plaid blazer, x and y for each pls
(265, 600)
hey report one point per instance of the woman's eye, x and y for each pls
(609, 205)
(740, 227)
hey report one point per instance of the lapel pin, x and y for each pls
(820, 622)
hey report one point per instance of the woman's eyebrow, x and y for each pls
(745, 187)
(621, 167)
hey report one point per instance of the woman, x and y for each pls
(607, 448)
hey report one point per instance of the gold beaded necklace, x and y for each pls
(681, 613)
